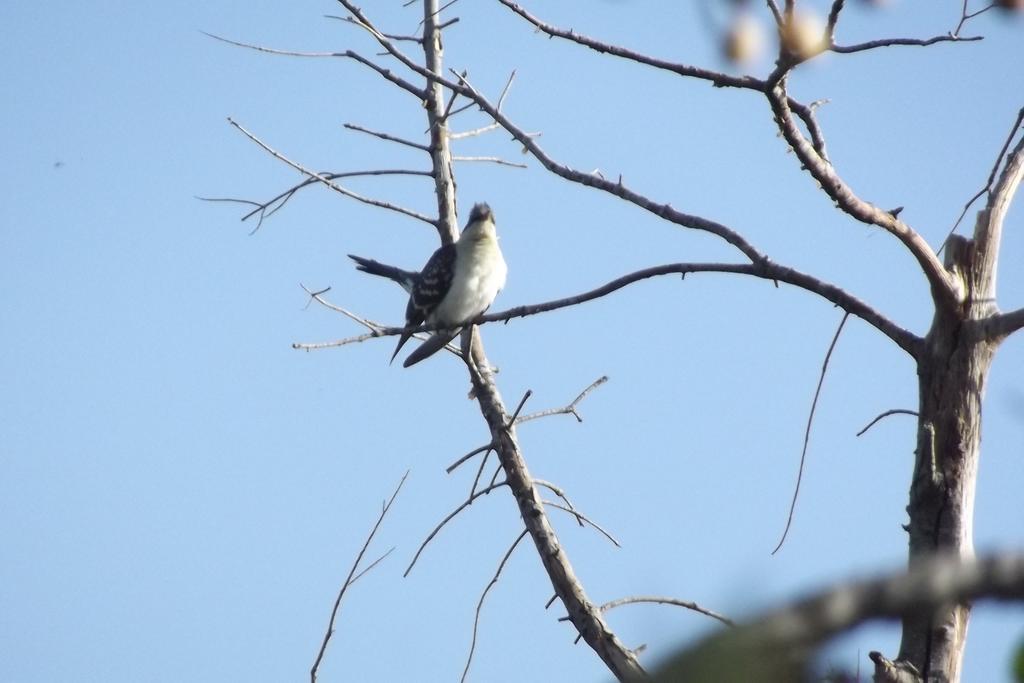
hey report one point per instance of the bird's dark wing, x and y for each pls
(434, 280)
(429, 289)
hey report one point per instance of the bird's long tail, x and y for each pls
(405, 278)
(428, 348)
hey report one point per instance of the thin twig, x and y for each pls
(632, 600)
(376, 328)
(807, 431)
(890, 42)
(580, 516)
(561, 494)
(965, 16)
(480, 603)
(991, 176)
(515, 414)
(448, 108)
(466, 503)
(319, 298)
(353, 577)
(271, 206)
(372, 565)
(270, 50)
(440, 9)
(480, 471)
(347, 54)
(386, 136)
(389, 36)
(951, 37)
(476, 451)
(894, 411)
(566, 410)
(493, 160)
(490, 126)
(337, 188)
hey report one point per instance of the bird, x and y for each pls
(458, 283)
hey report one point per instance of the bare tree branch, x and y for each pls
(353, 577)
(476, 451)
(319, 298)
(569, 409)
(952, 37)
(889, 42)
(483, 462)
(493, 160)
(944, 290)
(561, 494)
(466, 90)
(584, 616)
(491, 126)
(372, 565)
(376, 328)
(389, 138)
(349, 54)
(581, 517)
(717, 78)
(833, 19)
(991, 176)
(1003, 325)
(465, 504)
(390, 36)
(268, 208)
(776, 648)
(807, 431)
(337, 188)
(638, 599)
(988, 230)
(894, 411)
(965, 15)
(766, 270)
(480, 604)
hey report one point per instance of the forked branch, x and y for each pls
(944, 291)
(569, 409)
(353, 577)
(313, 175)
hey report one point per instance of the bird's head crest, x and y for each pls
(480, 212)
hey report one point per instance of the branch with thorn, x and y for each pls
(766, 270)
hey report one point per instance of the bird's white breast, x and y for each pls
(480, 273)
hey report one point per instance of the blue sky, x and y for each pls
(183, 492)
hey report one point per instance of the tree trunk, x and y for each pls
(952, 370)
